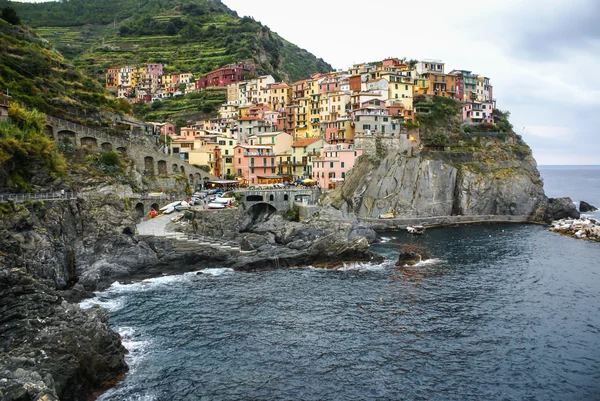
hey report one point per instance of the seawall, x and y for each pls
(440, 221)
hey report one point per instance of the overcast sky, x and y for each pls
(543, 56)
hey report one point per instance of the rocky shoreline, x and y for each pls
(56, 253)
(586, 229)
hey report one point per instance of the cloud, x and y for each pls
(549, 132)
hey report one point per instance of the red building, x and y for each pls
(225, 75)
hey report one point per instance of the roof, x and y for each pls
(300, 143)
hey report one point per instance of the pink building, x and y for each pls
(331, 167)
(156, 69)
(255, 164)
(478, 112)
(164, 128)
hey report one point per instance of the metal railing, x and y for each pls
(42, 196)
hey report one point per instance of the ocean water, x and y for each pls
(502, 312)
(577, 182)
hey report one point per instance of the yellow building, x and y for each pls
(400, 89)
(301, 118)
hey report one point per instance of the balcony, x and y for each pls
(264, 154)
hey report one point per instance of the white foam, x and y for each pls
(428, 262)
(362, 266)
(111, 305)
(217, 271)
(386, 239)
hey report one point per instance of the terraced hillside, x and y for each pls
(187, 35)
(35, 74)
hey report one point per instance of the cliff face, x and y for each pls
(489, 182)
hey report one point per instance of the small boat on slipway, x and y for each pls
(416, 230)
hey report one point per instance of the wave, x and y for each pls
(217, 271)
(429, 262)
(111, 305)
(138, 350)
(363, 267)
(383, 240)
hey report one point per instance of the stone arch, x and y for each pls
(149, 166)
(175, 168)
(197, 177)
(67, 136)
(89, 142)
(162, 168)
(286, 197)
(271, 198)
(106, 147)
(254, 198)
(122, 149)
(182, 170)
(260, 209)
(49, 130)
(155, 206)
(139, 210)
(191, 177)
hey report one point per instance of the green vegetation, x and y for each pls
(436, 139)
(188, 35)
(26, 151)
(9, 15)
(292, 214)
(191, 107)
(38, 76)
(441, 110)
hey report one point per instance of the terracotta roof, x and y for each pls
(300, 143)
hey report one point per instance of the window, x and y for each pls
(239, 161)
(343, 175)
(272, 170)
(175, 150)
(342, 164)
(330, 164)
(239, 150)
(239, 171)
(226, 151)
(264, 161)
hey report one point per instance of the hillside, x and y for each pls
(187, 35)
(35, 74)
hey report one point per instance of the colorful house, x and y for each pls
(303, 150)
(331, 167)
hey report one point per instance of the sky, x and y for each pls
(542, 56)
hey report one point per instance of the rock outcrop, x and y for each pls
(585, 207)
(560, 208)
(444, 184)
(51, 349)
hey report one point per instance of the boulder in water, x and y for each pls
(585, 207)
(561, 208)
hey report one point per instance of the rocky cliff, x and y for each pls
(495, 179)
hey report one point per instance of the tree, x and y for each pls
(10, 15)
(124, 30)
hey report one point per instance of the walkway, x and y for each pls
(157, 227)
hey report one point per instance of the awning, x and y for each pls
(223, 182)
(270, 177)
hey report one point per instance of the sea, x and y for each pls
(501, 312)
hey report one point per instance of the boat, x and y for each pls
(171, 209)
(177, 218)
(170, 205)
(417, 230)
(386, 216)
